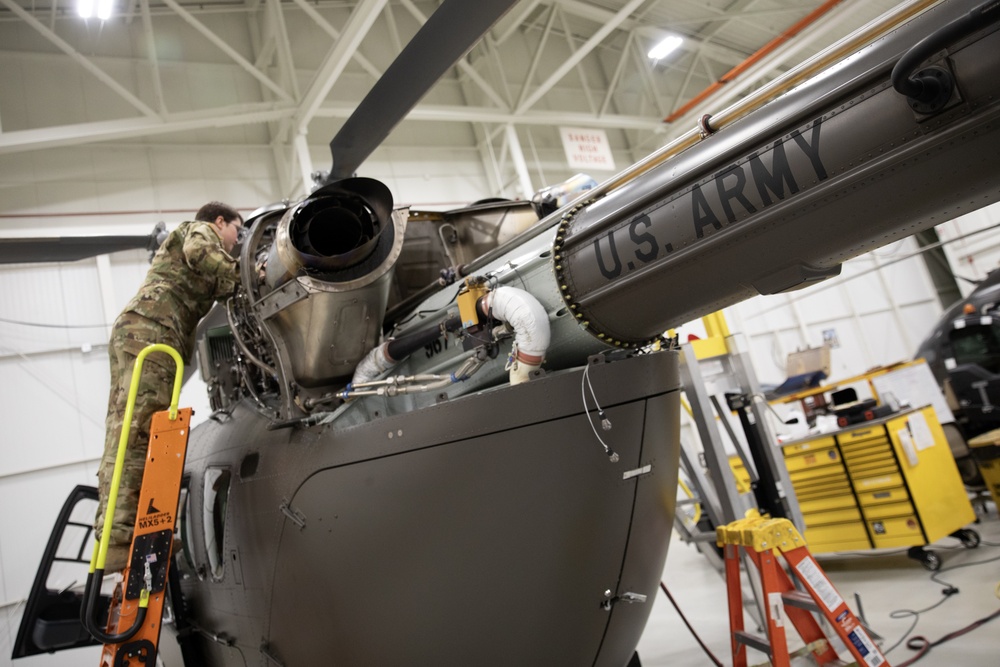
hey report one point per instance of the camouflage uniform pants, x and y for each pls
(129, 336)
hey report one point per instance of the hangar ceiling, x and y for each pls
(287, 73)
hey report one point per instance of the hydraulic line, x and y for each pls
(924, 86)
(239, 341)
(385, 356)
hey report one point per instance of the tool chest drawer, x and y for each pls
(837, 480)
(813, 459)
(880, 444)
(879, 456)
(833, 502)
(838, 534)
(861, 435)
(825, 494)
(816, 473)
(883, 496)
(832, 516)
(885, 532)
(810, 446)
(873, 469)
(878, 483)
(888, 510)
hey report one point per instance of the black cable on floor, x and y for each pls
(948, 591)
(694, 634)
(924, 645)
(903, 613)
(934, 576)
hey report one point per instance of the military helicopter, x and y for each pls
(963, 353)
(485, 473)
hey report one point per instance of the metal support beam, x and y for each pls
(85, 133)
(742, 368)
(731, 506)
(262, 112)
(321, 21)
(393, 29)
(572, 61)
(529, 77)
(520, 166)
(491, 165)
(225, 48)
(616, 77)
(571, 44)
(304, 160)
(517, 20)
(646, 72)
(357, 26)
(285, 61)
(65, 47)
(154, 62)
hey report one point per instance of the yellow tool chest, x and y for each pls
(891, 482)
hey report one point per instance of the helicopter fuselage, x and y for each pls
(490, 529)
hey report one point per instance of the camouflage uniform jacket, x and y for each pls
(189, 272)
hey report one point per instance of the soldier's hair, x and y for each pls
(213, 209)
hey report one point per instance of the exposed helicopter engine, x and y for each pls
(388, 498)
(849, 160)
(316, 283)
(316, 277)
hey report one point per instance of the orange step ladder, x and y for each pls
(133, 629)
(763, 540)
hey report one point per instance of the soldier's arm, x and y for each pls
(203, 253)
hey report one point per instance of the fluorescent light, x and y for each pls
(104, 9)
(85, 8)
(665, 47)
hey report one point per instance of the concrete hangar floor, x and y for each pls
(891, 587)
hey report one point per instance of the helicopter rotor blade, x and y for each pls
(73, 248)
(65, 248)
(450, 32)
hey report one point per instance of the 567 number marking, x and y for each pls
(437, 347)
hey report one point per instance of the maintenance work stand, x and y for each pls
(132, 631)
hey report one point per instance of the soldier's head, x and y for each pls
(226, 220)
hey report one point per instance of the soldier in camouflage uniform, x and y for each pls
(190, 271)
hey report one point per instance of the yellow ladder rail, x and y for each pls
(99, 557)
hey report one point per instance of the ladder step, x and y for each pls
(703, 537)
(753, 641)
(800, 600)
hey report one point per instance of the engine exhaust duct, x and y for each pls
(336, 229)
(327, 279)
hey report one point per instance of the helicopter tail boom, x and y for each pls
(837, 167)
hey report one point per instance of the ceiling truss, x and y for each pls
(543, 53)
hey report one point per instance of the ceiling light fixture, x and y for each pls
(667, 46)
(85, 8)
(104, 9)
